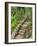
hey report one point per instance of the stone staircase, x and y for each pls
(22, 31)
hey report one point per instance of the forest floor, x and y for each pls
(24, 32)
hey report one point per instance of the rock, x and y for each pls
(19, 37)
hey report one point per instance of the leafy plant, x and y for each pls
(18, 13)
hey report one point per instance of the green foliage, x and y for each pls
(28, 11)
(17, 14)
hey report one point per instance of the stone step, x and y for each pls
(21, 33)
(19, 36)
